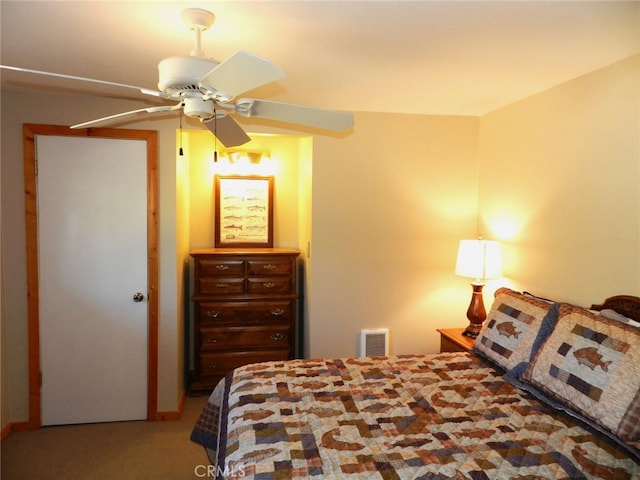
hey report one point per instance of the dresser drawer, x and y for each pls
(241, 313)
(269, 285)
(219, 266)
(252, 336)
(269, 266)
(217, 364)
(220, 286)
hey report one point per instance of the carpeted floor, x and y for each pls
(108, 451)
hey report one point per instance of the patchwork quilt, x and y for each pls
(437, 416)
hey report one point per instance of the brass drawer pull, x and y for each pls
(213, 314)
(211, 366)
(276, 336)
(222, 267)
(268, 284)
(212, 340)
(277, 312)
(269, 266)
(222, 285)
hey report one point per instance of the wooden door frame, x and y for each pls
(29, 132)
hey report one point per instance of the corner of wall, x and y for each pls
(559, 183)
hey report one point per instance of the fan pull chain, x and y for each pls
(215, 135)
(180, 152)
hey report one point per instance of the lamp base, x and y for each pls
(472, 330)
(476, 312)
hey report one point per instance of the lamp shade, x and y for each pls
(479, 259)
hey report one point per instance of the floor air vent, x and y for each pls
(374, 343)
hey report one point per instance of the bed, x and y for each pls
(550, 390)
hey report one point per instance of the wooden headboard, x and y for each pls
(626, 305)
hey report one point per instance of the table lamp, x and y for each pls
(481, 260)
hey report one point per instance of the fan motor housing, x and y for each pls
(197, 107)
(181, 75)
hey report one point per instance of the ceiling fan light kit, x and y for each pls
(200, 85)
(196, 107)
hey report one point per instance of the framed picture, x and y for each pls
(243, 211)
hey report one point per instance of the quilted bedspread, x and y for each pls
(434, 416)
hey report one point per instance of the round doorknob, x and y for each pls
(138, 297)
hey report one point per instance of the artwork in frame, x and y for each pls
(243, 211)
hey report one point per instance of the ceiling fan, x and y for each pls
(205, 89)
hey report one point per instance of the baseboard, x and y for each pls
(173, 415)
(13, 427)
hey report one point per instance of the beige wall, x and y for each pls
(182, 208)
(390, 203)
(555, 176)
(285, 153)
(560, 185)
(4, 383)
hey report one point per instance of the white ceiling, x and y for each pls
(423, 57)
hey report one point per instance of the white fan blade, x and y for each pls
(298, 114)
(241, 72)
(146, 91)
(117, 116)
(227, 130)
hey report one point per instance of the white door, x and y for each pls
(92, 242)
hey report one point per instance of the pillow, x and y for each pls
(516, 326)
(529, 294)
(592, 365)
(613, 315)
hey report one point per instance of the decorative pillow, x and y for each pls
(529, 294)
(515, 327)
(592, 365)
(613, 315)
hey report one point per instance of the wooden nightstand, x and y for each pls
(452, 340)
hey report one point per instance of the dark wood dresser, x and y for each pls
(245, 310)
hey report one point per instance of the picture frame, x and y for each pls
(243, 211)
